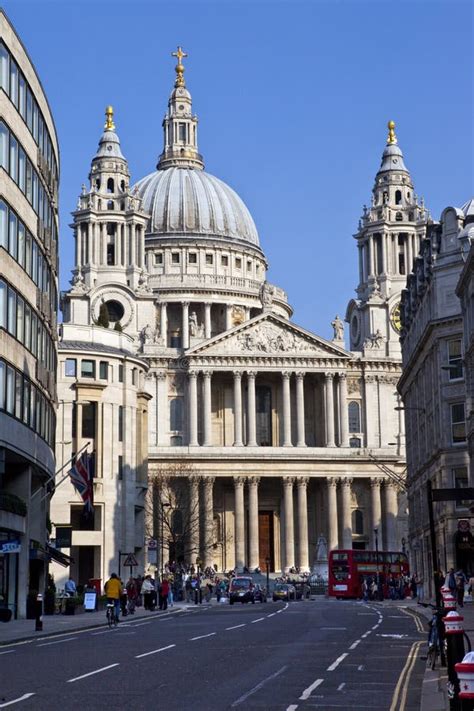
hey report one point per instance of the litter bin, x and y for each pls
(70, 607)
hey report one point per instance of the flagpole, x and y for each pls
(53, 477)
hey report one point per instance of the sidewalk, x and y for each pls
(22, 630)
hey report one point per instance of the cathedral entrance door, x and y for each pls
(265, 540)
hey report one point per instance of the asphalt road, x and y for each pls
(321, 654)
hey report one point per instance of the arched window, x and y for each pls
(97, 183)
(177, 522)
(355, 442)
(358, 522)
(122, 185)
(176, 414)
(110, 185)
(399, 217)
(110, 205)
(354, 417)
(398, 197)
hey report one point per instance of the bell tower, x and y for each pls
(389, 236)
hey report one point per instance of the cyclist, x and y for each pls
(113, 591)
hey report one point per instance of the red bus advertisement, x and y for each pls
(349, 568)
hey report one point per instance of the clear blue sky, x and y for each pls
(293, 100)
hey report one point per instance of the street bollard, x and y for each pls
(449, 601)
(465, 672)
(453, 624)
(39, 613)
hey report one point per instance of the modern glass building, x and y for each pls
(29, 169)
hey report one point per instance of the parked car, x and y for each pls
(260, 594)
(284, 591)
(242, 590)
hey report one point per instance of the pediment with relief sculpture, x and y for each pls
(268, 335)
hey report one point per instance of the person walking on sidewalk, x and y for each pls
(461, 581)
(164, 590)
(148, 591)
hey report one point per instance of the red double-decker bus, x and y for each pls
(348, 568)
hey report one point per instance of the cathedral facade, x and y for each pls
(268, 436)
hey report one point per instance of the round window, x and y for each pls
(115, 310)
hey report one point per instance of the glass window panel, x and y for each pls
(22, 95)
(34, 262)
(3, 304)
(35, 191)
(28, 254)
(40, 131)
(4, 68)
(21, 169)
(21, 244)
(19, 395)
(104, 366)
(70, 368)
(3, 146)
(29, 179)
(11, 312)
(10, 404)
(354, 417)
(3, 225)
(458, 423)
(38, 412)
(32, 407)
(26, 402)
(3, 369)
(14, 82)
(27, 339)
(29, 108)
(88, 369)
(13, 235)
(35, 120)
(455, 359)
(13, 158)
(34, 337)
(20, 318)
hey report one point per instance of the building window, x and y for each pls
(159, 258)
(120, 423)
(70, 368)
(134, 376)
(88, 420)
(399, 217)
(461, 481)
(192, 258)
(458, 423)
(209, 259)
(120, 467)
(175, 257)
(354, 417)
(455, 360)
(115, 310)
(358, 522)
(176, 414)
(110, 185)
(182, 132)
(249, 266)
(120, 373)
(103, 370)
(225, 260)
(87, 369)
(238, 263)
(398, 197)
(355, 442)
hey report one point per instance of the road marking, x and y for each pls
(333, 628)
(404, 679)
(354, 645)
(9, 651)
(94, 634)
(337, 662)
(366, 634)
(260, 619)
(154, 651)
(96, 671)
(307, 692)
(419, 624)
(202, 636)
(292, 707)
(375, 626)
(245, 696)
(15, 701)
(392, 636)
(341, 686)
(272, 615)
(59, 641)
(140, 624)
(360, 668)
(236, 626)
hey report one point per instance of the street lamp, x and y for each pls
(379, 587)
(267, 563)
(163, 507)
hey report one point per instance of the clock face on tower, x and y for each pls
(395, 318)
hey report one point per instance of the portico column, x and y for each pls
(207, 408)
(193, 512)
(237, 408)
(376, 511)
(300, 437)
(164, 321)
(252, 432)
(289, 523)
(208, 520)
(346, 541)
(391, 510)
(185, 325)
(239, 523)
(207, 320)
(343, 410)
(253, 523)
(329, 411)
(193, 417)
(303, 557)
(286, 409)
(332, 513)
(228, 317)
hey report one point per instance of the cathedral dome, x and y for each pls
(183, 201)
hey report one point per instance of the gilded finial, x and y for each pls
(109, 118)
(179, 68)
(391, 138)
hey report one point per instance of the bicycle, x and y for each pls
(436, 638)
(111, 616)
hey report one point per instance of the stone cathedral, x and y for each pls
(275, 434)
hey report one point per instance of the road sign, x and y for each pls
(130, 561)
(152, 544)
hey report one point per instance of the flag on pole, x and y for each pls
(81, 478)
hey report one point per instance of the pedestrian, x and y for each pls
(413, 586)
(132, 594)
(365, 590)
(451, 582)
(70, 587)
(164, 590)
(170, 594)
(148, 590)
(188, 588)
(461, 581)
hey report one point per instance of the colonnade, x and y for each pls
(337, 496)
(207, 330)
(369, 266)
(91, 244)
(332, 407)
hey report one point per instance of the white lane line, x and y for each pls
(333, 628)
(235, 627)
(154, 651)
(307, 692)
(15, 701)
(341, 686)
(361, 667)
(143, 623)
(292, 707)
(59, 641)
(94, 634)
(271, 615)
(96, 671)
(337, 662)
(375, 626)
(202, 636)
(245, 696)
(9, 651)
(354, 645)
(260, 619)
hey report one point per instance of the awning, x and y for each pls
(59, 556)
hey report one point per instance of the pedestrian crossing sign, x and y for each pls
(130, 560)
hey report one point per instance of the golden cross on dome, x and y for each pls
(179, 54)
(179, 69)
(109, 116)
